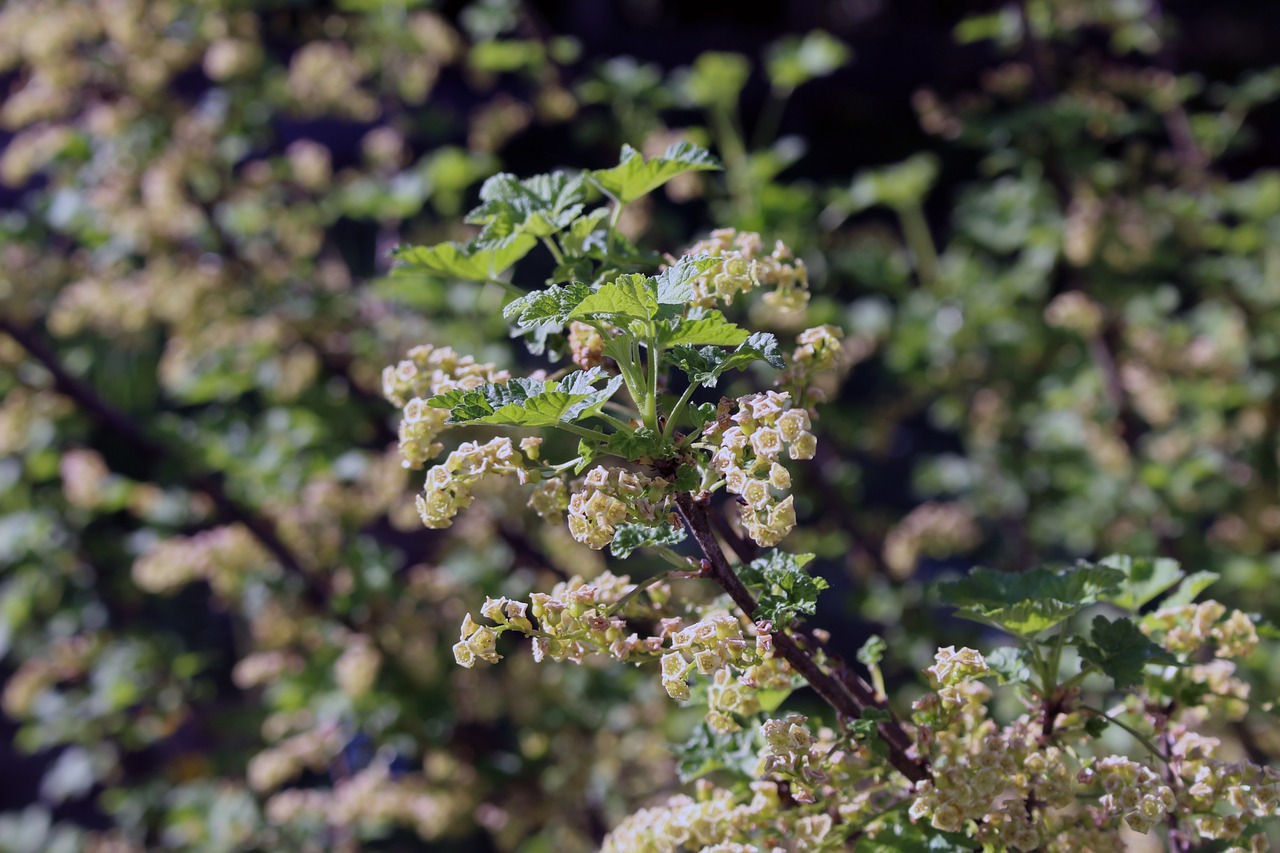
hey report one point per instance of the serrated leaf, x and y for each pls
(784, 589)
(460, 260)
(629, 537)
(538, 206)
(1120, 650)
(528, 402)
(707, 364)
(711, 329)
(706, 751)
(640, 443)
(675, 283)
(635, 177)
(1145, 578)
(583, 236)
(550, 306)
(1011, 664)
(687, 478)
(1027, 603)
(1192, 585)
(628, 297)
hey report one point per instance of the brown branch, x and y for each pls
(850, 699)
(211, 483)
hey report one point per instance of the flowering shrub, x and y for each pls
(235, 586)
(953, 771)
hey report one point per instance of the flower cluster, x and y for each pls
(449, 484)
(747, 456)
(610, 497)
(1133, 791)
(222, 556)
(426, 372)
(707, 646)
(371, 796)
(1189, 628)
(709, 824)
(789, 752)
(586, 345)
(571, 623)
(817, 351)
(744, 267)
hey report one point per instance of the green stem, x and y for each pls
(676, 412)
(655, 367)
(514, 290)
(617, 424)
(551, 247)
(585, 432)
(642, 586)
(770, 117)
(1137, 735)
(737, 164)
(916, 231)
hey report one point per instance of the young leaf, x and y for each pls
(643, 442)
(794, 61)
(1011, 664)
(712, 329)
(628, 297)
(1027, 603)
(634, 176)
(528, 402)
(675, 283)
(705, 365)
(538, 206)
(1120, 650)
(706, 751)
(785, 589)
(1145, 579)
(629, 537)
(550, 306)
(461, 260)
(1192, 585)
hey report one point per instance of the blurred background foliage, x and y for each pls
(1051, 230)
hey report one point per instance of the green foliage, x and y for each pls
(706, 365)
(634, 176)
(794, 61)
(1029, 603)
(784, 590)
(1120, 651)
(629, 537)
(529, 402)
(707, 751)
(471, 262)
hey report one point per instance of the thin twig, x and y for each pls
(849, 699)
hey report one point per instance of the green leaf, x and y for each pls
(872, 651)
(895, 833)
(584, 235)
(1120, 650)
(528, 402)
(1145, 579)
(716, 79)
(465, 261)
(1011, 664)
(864, 728)
(705, 365)
(629, 537)
(538, 206)
(628, 297)
(687, 478)
(712, 329)
(794, 61)
(641, 443)
(706, 751)
(550, 306)
(675, 283)
(784, 589)
(1027, 603)
(1192, 585)
(635, 177)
